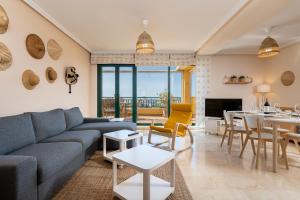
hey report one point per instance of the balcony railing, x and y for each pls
(149, 109)
(142, 102)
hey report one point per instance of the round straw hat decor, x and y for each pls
(35, 46)
(30, 80)
(54, 49)
(4, 21)
(5, 57)
(51, 75)
(287, 78)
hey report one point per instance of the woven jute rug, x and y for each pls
(94, 181)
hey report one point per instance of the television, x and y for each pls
(215, 107)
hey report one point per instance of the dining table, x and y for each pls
(275, 120)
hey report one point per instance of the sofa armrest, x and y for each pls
(18, 177)
(94, 120)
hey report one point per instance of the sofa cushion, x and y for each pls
(105, 127)
(51, 157)
(15, 132)
(47, 124)
(73, 117)
(86, 138)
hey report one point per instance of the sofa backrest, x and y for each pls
(15, 132)
(48, 124)
(73, 117)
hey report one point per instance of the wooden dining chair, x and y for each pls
(253, 125)
(232, 127)
(295, 137)
(282, 131)
(227, 126)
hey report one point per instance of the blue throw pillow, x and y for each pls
(73, 117)
(15, 132)
(49, 123)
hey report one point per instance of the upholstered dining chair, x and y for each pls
(254, 126)
(177, 125)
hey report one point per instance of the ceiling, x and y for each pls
(286, 31)
(114, 25)
(209, 26)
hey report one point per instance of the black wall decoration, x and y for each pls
(71, 77)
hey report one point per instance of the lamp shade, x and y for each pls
(263, 88)
(269, 47)
(145, 44)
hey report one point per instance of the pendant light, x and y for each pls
(269, 47)
(145, 44)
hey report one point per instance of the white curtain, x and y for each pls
(203, 68)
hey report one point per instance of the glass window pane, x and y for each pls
(126, 92)
(193, 84)
(108, 91)
(176, 86)
(152, 94)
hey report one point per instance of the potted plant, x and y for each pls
(242, 79)
(233, 79)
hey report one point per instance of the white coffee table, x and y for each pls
(145, 159)
(121, 137)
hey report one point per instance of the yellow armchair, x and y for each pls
(177, 125)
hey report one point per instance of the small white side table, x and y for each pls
(145, 159)
(121, 137)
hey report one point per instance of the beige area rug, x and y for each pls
(94, 181)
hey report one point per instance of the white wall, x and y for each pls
(14, 97)
(287, 59)
(227, 65)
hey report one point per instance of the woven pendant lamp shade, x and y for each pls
(268, 48)
(145, 44)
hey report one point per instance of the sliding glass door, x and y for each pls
(117, 91)
(152, 94)
(127, 93)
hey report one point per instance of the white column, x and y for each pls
(202, 87)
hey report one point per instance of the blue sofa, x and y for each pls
(39, 151)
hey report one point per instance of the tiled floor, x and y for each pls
(211, 173)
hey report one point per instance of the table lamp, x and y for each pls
(263, 89)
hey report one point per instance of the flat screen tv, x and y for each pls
(215, 107)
